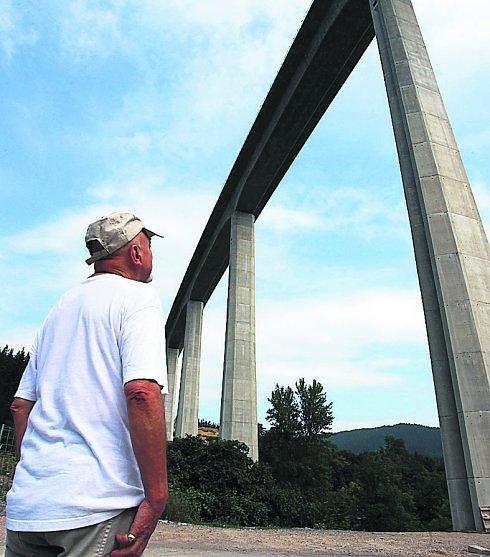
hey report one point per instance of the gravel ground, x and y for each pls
(207, 540)
(318, 542)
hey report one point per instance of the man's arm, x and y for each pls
(148, 436)
(20, 408)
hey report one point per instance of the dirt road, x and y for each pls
(191, 540)
(317, 542)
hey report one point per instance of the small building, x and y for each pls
(206, 432)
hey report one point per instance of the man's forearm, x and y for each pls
(148, 436)
(20, 408)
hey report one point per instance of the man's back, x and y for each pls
(77, 465)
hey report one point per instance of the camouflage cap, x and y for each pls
(113, 232)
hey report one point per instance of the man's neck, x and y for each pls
(111, 272)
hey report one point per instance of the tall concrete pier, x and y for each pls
(172, 361)
(452, 256)
(239, 389)
(188, 408)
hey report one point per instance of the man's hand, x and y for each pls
(143, 526)
(146, 416)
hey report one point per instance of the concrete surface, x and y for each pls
(452, 255)
(172, 361)
(451, 248)
(239, 390)
(478, 550)
(188, 408)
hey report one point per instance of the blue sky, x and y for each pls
(144, 105)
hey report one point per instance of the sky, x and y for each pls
(143, 105)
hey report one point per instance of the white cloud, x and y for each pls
(456, 36)
(333, 209)
(58, 250)
(91, 30)
(342, 326)
(367, 213)
(217, 82)
(63, 236)
(347, 425)
(329, 338)
(216, 14)
(19, 337)
(13, 32)
(282, 218)
(50, 257)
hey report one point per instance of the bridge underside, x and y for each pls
(328, 46)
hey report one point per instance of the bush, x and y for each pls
(305, 483)
(7, 467)
(182, 506)
(301, 480)
(215, 481)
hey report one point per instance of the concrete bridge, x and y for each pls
(450, 245)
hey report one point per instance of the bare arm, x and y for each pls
(148, 436)
(20, 408)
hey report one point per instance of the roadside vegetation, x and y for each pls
(301, 480)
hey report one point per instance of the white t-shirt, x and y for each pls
(77, 463)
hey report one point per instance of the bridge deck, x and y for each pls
(332, 39)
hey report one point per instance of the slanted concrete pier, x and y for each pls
(239, 389)
(188, 408)
(452, 256)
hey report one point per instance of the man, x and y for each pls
(89, 414)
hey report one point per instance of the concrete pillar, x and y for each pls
(188, 408)
(452, 256)
(172, 359)
(239, 389)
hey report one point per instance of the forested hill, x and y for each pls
(418, 438)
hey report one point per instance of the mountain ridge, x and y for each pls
(418, 438)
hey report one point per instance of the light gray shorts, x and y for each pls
(90, 541)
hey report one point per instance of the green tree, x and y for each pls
(207, 423)
(283, 415)
(295, 447)
(387, 496)
(12, 366)
(304, 412)
(316, 414)
(423, 478)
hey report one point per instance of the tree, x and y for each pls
(11, 368)
(284, 412)
(304, 412)
(316, 415)
(386, 498)
(295, 447)
(207, 423)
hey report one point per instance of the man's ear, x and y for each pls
(135, 254)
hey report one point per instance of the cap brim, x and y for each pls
(150, 233)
